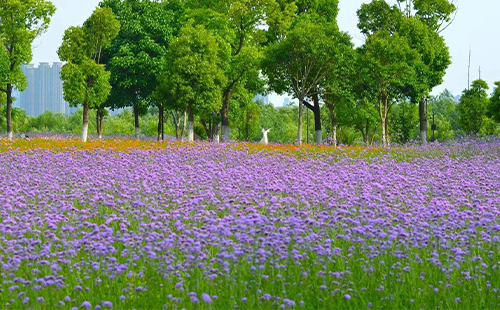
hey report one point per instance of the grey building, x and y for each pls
(44, 91)
(264, 99)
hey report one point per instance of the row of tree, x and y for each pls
(208, 59)
(449, 119)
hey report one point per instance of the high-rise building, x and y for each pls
(264, 99)
(44, 91)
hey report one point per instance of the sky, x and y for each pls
(476, 26)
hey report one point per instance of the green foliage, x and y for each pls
(300, 61)
(193, 74)
(494, 106)
(282, 121)
(403, 121)
(84, 79)
(472, 107)
(50, 122)
(387, 63)
(245, 115)
(200, 131)
(362, 115)
(20, 121)
(489, 127)
(444, 105)
(434, 13)
(119, 125)
(377, 16)
(21, 21)
(135, 55)
(444, 129)
(386, 67)
(86, 82)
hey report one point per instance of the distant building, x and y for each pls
(264, 99)
(44, 91)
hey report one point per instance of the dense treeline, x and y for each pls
(198, 65)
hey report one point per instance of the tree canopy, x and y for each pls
(21, 21)
(85, 81)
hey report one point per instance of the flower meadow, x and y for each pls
(141, 225)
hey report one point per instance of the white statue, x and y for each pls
(264, 139)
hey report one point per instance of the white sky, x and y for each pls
(476, 25)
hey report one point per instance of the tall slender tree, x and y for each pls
(85, 81)
(135, 56)
(21, 21)
(298, 63)
(494, 106)
(387, 65)
(473, 106)
(420, 22)
(236, 22)
(193, 74)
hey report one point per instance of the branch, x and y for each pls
(452, 20)
(308, 105)
(3, 90)
(240, 45)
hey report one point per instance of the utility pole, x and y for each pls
(468, 72)
(479, 72)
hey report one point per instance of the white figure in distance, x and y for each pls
(264, 139)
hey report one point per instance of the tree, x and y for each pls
(404, 118)
(420, 22)
(299, 62)
(193, 75)
(361, 114)
(340, 84)
(494, 106)
(472, 107)
(445, 106)
(85, 81)
(245, 117)
(235, 22)
(103, 27)
(135, 56)
(21, 21)
(387, 66)
(282, 121)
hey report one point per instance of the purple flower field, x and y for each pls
(218, 227)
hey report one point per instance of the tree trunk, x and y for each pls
(247, 126)
(382, 117)
(383, 105)
(136, 122)
(367, 129)
(224, 114)
(190, 124)
(317, 120)
(176, 117)
(99, 116)
(208, 128)
(160, 122)
(85, 127)
(299, 131)
(387, 135)
(384, 141)
(183, 127)
(10, 130)
(423, 120)
(333, 118)
(99, 121)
